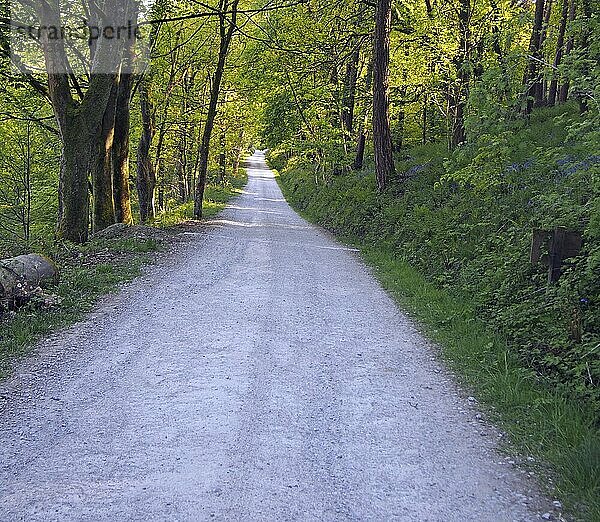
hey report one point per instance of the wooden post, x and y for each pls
(556, 254)
(561, 244)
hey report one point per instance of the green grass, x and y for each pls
(561, 436)
(215, 200)
(539, 423)
(87, 272)
(93, 270)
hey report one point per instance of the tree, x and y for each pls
(85, 116)
(533, 80)
(459, 93)
(382, 137)
(146, 175)
(228, 11)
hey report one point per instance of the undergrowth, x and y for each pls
(86, 273)
(90, 271)
(216, 196)
(451, 240)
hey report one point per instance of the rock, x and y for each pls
(22, 277)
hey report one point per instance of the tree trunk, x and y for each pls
(563, 93)
(546, 22)
(120, 152)
(121, 195)
(222, 157)
(227, 28)
(382, 137)
(364, 125)
(146, 176)
(160, 145)
(102, 168)
(560, 43)
(543, 101)
(73, 196)
(533, 80)
(73, 216)
(359, 159)
(459, 94)
(180, 162)
(456, 113)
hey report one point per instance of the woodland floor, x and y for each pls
(257, 373)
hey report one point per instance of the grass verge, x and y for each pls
(87, 272)
(92, 270)
(558, 434)
(215, 200)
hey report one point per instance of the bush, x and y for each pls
(466, 223)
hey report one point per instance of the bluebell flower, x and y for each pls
(527, 164)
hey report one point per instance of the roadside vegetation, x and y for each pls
(90, 271)
(456, 255)
(215, 200)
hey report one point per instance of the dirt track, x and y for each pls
(260, 373)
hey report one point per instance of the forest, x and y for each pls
(456, 136)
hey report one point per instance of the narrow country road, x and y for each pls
(260, 373)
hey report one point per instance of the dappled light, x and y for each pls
(223, 223)
(300, 260)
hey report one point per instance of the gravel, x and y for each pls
(259, 373)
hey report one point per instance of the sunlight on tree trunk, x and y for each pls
(227, 28)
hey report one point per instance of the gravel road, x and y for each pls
(258, 373)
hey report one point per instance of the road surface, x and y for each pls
(260, 373)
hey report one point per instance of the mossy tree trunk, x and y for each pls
(74, 199)
(120, 152)
(102, 167)
(146, 176)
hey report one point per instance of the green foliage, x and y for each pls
(28, 184)
(465, 222)
(215, 200)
